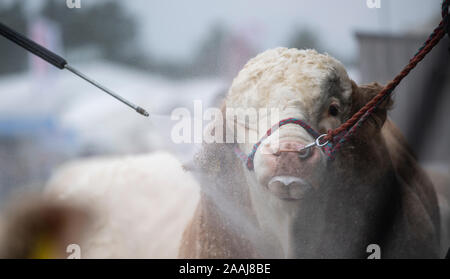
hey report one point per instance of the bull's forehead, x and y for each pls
(296, 82)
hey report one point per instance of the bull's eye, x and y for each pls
(333, 110)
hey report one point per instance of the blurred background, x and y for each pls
(165, 54)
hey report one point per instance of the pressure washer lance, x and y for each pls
(59, 62)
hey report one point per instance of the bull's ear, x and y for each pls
(362, 94)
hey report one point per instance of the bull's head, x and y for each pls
(305, 203)
(305, 85)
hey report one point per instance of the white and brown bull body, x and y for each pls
(374, 192)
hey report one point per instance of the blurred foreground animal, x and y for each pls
(140, 205)
(122, 207)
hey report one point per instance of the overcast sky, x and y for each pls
(173, 28)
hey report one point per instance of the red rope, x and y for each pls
(434, 39)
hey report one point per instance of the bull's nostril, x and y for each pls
(305, 153)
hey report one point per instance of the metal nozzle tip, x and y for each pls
(142, 111)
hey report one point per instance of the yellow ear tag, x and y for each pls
(44, 248)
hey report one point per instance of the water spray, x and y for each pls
(60, 63)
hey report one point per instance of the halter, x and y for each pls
(318, 141)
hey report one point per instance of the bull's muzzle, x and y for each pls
(291, 168)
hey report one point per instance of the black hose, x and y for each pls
(33, 47)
